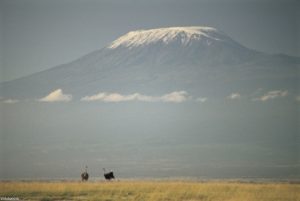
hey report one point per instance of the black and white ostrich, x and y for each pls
(85, 175)
(108, 175)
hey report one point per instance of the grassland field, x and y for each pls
(149, 191)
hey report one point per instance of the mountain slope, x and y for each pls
(195, 59)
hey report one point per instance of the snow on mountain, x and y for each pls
(158, 61)
(186, 35)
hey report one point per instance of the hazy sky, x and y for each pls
(39, 34)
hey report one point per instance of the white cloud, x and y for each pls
(116, 97)
(11, 101)
(272, 95)
(57, 96)
(202, 99)
(176, 96)
(234, 96)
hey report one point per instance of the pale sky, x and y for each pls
(38, 34)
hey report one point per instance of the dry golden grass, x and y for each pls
(151, 191)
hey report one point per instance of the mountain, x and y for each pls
(200, 60)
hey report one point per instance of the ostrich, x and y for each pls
(85, 175)
(108, 175)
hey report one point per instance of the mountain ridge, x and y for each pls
(196, 59)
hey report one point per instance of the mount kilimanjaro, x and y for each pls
(200, 60)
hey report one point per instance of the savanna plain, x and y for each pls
(150, 191)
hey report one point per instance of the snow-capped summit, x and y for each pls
(173, 46)
(185, 36)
